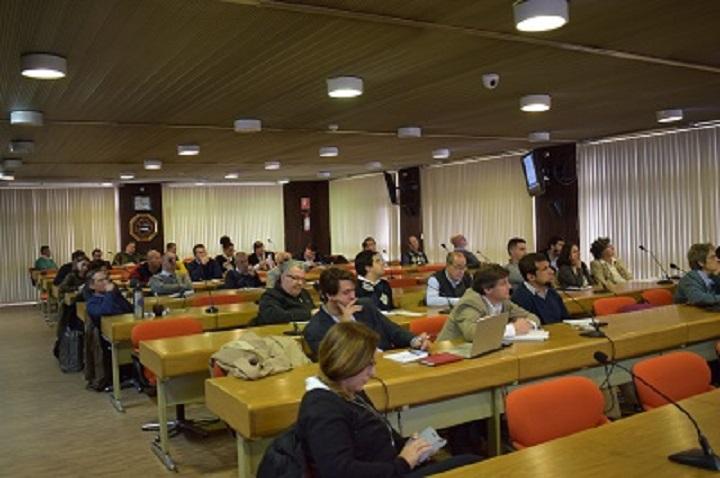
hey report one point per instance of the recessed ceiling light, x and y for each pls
(21, 146)
(329, 151)
(324, 174)
(188, 149)
(668, 116)
(344, 86)
(539, 136)
(26, 118)
(127, 176)
(199, 183)
(534, 103)
(152, 164)
(7, 177)
(409, 132)
(373, 165)
(540, 15)
(232, 176)
(106, 185)
(272, 165)
(43, 66)
(12, 164)
(333, 127)
(283, 181)
(442, 153)
(248, 125)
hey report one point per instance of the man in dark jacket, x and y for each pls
(370, 269)
(151, 266)
(536, 294)
(337, 291)
(288, 300)
(203, 267)
(65, 269)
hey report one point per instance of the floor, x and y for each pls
(51, 426)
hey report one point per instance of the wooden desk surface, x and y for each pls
(703, 324)
(265, 407)
(634, 446)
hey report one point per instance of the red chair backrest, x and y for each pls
(219, 299)
(556, 408)
(400, 282)
(634, 308)
(657, 297)
(430, 325)
(611, 305)
(394, 271)
(678, 375)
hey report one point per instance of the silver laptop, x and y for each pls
(489, 333)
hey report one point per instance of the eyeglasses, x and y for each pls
(295, 278)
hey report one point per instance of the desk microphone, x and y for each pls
(444, 246)
(484, 257)
(704, 457)
(677, 269)
(666, 280)
(597, 333)
(211, 309)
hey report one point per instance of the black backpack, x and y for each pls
(284, 458)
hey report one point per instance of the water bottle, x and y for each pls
(139, 303)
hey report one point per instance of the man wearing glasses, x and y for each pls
(288, 301)
(446, 287)
(700, 286)
(167, 282)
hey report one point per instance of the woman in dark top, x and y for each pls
(227, 258)
(572, 272)
(341, 432)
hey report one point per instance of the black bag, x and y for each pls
(70, 350)
(284, 458)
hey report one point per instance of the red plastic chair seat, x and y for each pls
(430, 325)
(657, 297)
(611, 305)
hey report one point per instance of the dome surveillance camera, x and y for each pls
(491, 80)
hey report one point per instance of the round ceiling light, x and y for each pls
(26, 118)
(344, 87)
(188, 149)
(272, 165)
(329, 151)
(539, 136)
(535, 103)
(152, 164)
(248, 125)
(127, 176)
(324, 174)
(283, 181)
(442, 153)
(43, 66)
(540, 15)
(668, 116)
(373, 165)
(232, 176)
(409, 132)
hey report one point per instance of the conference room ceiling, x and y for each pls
(147, 75)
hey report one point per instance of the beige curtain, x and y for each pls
(485, 200)
(360, 207)
(64, 219)
(658, 190)
(193, 215)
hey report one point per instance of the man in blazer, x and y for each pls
(700, 286)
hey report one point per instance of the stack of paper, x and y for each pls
(406, 356)
(532, 336)
(406, 313)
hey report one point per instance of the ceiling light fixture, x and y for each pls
(535, 103)
(324, 174)
(106, 185)
(26, 118)
(283, 181)
(540, 15)
(152, 164)
(188, 149)
(21, 146)
(248, 125)
(442, 153)
(272, 165)
(43, 66)
(373, 165)
(409, 132)
(127, 176)
(11, 164)
(344, 86)
(7, 177)
(232, 176)
(668, 116)
(539, 136)
(329, 151)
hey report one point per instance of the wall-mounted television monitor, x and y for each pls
(533, 174)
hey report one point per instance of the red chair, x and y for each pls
(611, 305)
(553, 409)
(394, 271)
(431, 267)
(400, 282)
(161, 329)
(430, 325)
(635, 307)
(678, 375)
(657, 297)
(219, 299)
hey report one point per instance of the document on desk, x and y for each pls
(403, 312)
(586, 322)
(532, 336)
(407, 356)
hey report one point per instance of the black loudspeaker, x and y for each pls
(409, 193)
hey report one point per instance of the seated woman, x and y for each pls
(572, 272)
(341, 431)
(606, 269)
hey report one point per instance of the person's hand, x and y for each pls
(414, 449)
(421, 342)
(523, 326)
(204, 260)
(109, 286)
(347, 311)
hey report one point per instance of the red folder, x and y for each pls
(440, 359)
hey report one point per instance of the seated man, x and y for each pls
(370, 268)
(151, 266)
(337, 290)
(273, 274)
(555, 245)
(460, 244)
(446, 287)
(75, 280)
(700, 286)
(261, 259)
(288, 301)
(536, 294)
(243, 276)
(167, 282)
(65, 269)
(489, 295)
(45, 261)
(369, 244)
(179, 263)
(517, 248)
(414, 256)
(97, 255)
(310, 256)
(203, 267)
(128, 256)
